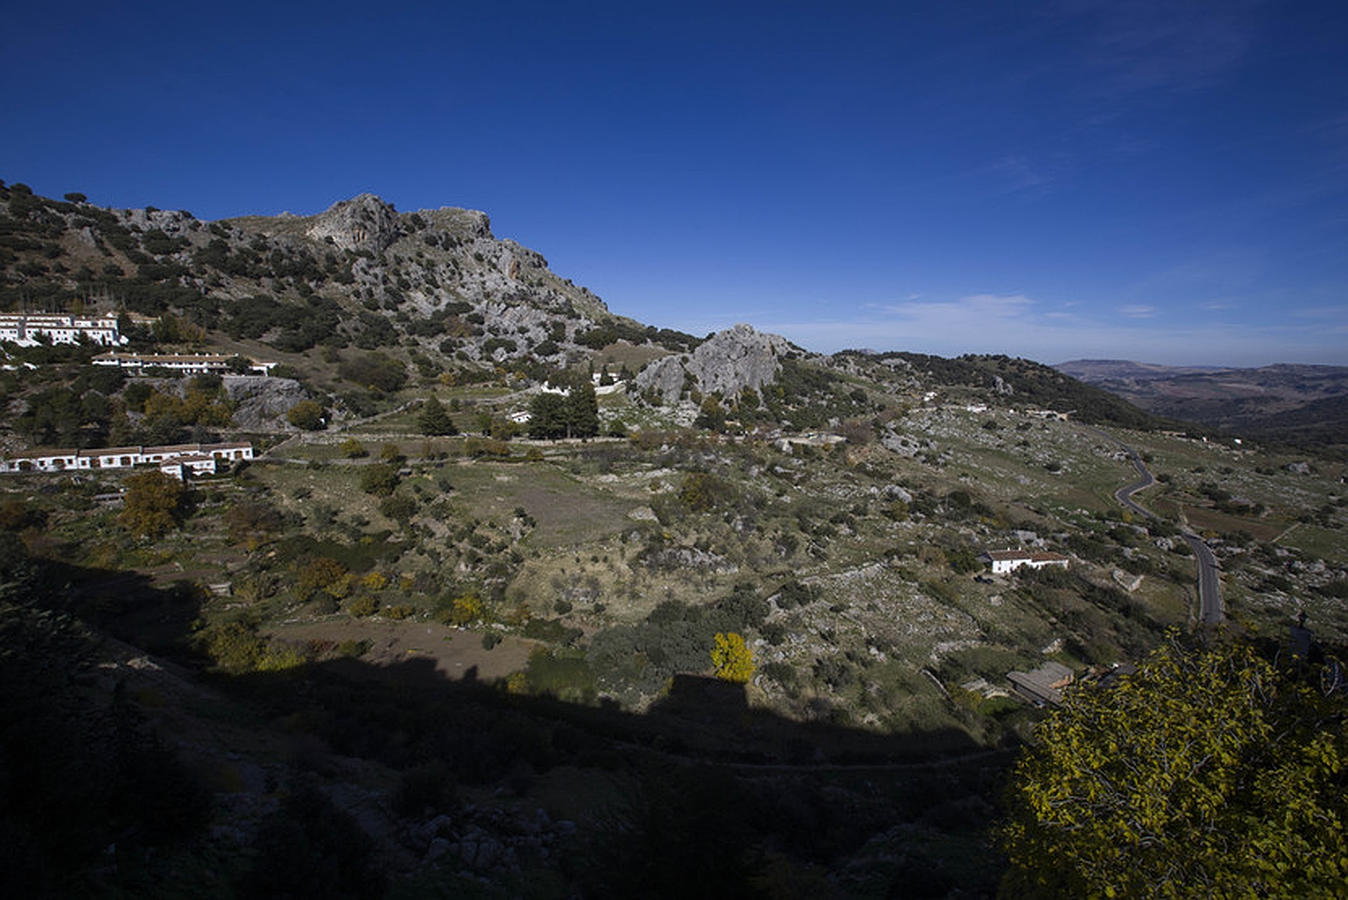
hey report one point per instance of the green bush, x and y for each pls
(307, 414)
(379, 478)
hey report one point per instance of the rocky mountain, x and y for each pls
(727, 363)
(1298, 403)
(434, 286)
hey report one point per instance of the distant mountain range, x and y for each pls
(1294, 403)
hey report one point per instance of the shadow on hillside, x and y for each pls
(373, 710)
(709, 784)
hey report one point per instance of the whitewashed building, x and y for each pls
(24, 330)
(195, 459)
(186, 363)
(1004, 561)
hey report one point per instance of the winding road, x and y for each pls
(1210, 613)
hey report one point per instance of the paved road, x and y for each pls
(1209, 587)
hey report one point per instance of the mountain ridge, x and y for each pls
(435, 289)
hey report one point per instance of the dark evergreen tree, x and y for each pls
(582, 410)
(547, 416)
(434, 420)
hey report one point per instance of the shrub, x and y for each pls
(465, 610)
(363, 605)
(379, 478)
(731, 658)
(307, 414)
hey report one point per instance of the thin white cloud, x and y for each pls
(1016, 174)
(1140, 46)
(974, 308)
(1137, 311)
(951, 331)
(1322, 313)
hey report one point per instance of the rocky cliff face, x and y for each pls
(730, 361)
(262, 402)
(362, 223)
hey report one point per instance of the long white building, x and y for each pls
(24, 330)
(173, 458)
(188, 363)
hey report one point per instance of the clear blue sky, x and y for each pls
(1164, 181)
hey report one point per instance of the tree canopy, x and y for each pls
(307, 414)
(434, 420)
(731, 657)
(573, 415)
(154, 503)
(1208, 772)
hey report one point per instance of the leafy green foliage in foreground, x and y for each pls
(1208, 772)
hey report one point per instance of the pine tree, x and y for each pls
(434, 420)
(582, 411)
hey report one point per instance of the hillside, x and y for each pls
(1297, 404)
(477, 617)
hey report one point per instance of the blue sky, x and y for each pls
(1159, 181)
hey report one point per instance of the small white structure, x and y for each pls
(198, 463)
(188, 363)
(197, 458)
(1004, 561)
(519, 417)
(25, 330)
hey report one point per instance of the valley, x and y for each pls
(467, 592)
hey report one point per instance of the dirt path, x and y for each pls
(457, 654)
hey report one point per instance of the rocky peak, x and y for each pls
(729, 361)
(361, 223)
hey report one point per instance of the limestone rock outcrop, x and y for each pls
(362, 223)
(729, 361)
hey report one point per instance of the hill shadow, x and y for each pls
(709, 789)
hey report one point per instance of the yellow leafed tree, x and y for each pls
(732, 658)
(1207, 773)
(153, 503)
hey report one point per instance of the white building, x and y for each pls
(188, 363)
(194, 458)
(1004, 561)
(25, 330)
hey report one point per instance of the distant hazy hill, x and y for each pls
(1298, 403)
(1093, 371)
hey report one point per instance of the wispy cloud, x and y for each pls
(1021, 173)
(1155, 45)
(1322, 313)
(1016, 174)
(972, 309)
(1018, 325)
(1137, 311)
